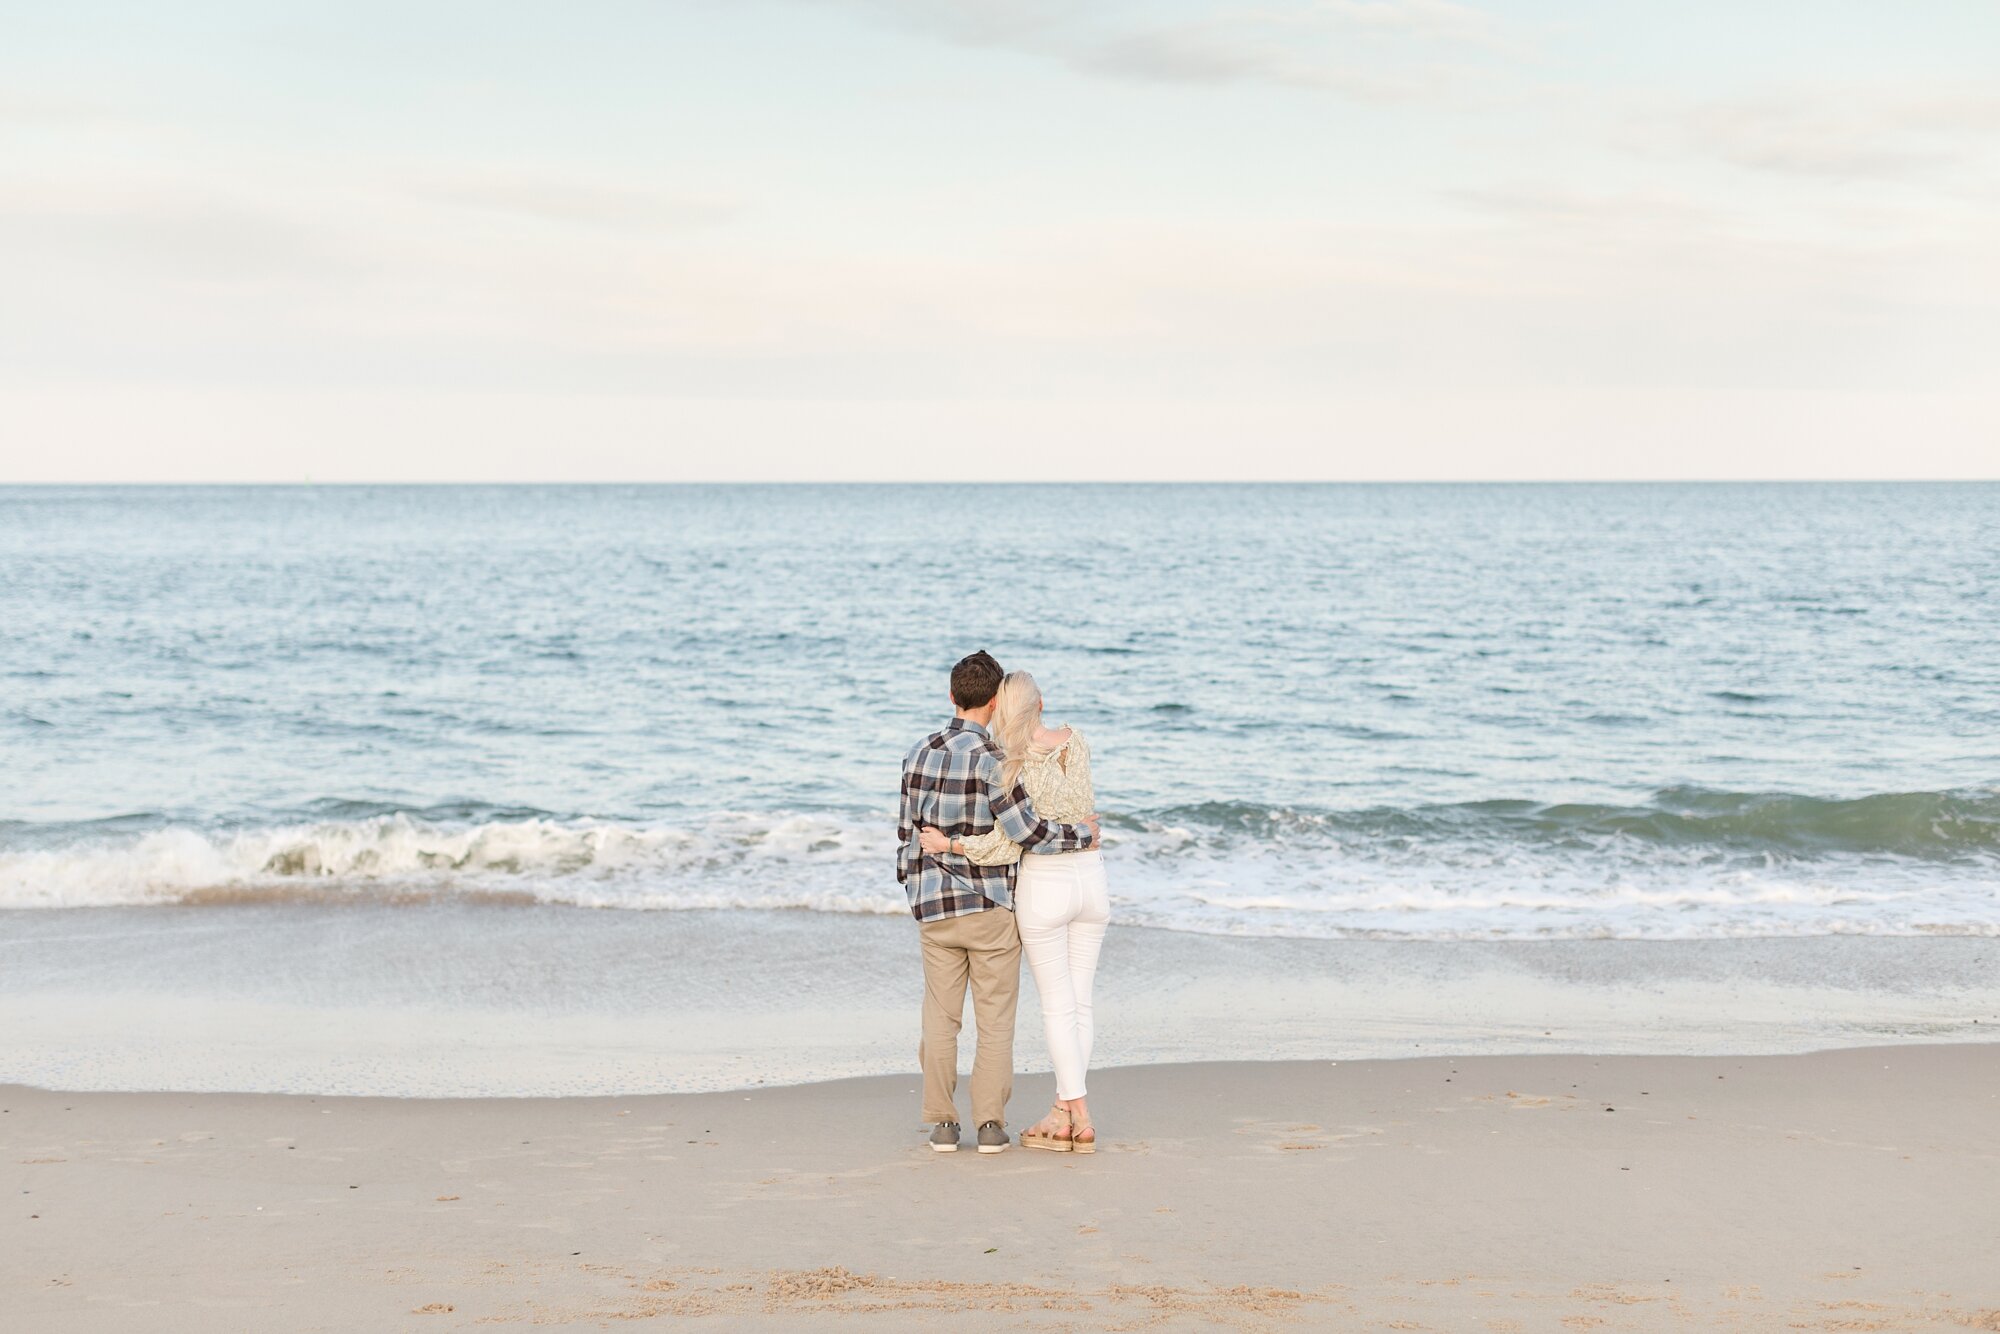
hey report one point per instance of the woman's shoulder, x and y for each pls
(1058, 742)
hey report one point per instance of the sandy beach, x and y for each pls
(1849, 1190)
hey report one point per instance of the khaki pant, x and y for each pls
(984, 949)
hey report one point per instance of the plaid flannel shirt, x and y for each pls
(951, 779)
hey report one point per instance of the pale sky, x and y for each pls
(1015, 239)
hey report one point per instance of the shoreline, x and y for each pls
(1851, 1189)
(459, 1001)
(1023, 1076)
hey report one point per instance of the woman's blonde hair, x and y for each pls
(1017, 707)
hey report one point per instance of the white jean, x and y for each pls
(1062, 907)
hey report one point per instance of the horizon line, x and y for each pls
(309, 482)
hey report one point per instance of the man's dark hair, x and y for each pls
(974, 680)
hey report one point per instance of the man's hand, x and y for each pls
(933, 840)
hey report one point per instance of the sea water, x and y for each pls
(1325, 713)
(1425, 711)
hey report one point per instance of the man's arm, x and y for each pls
(908, 852)
(1014, 815)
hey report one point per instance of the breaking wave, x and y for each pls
(1689, 862)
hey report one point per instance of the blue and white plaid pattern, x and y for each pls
(951, 779)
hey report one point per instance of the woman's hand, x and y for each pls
(933, 839)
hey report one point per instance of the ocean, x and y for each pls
(1340, 713)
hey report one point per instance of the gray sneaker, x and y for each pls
(944, 1137)
(992, 1137)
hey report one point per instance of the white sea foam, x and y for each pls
(729, 861)
(1169, 877)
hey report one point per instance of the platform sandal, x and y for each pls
(1043, 1134)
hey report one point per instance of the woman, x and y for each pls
(1060, 902)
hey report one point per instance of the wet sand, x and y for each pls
(539, 1002)
(1848, 1190)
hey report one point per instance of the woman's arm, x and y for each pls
(991, 848)
(1014, 815)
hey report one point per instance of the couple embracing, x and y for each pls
(999, 856)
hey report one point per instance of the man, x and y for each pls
(965, 913)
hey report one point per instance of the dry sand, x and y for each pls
(1852, 1190)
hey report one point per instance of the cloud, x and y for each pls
(1437, 20)
(1220, 53)
(1627, 212)
(353, 275)
(1834, 134)
(1377, 50)
(191, 230)
(976, 22)
(569, 201)
(26, 110)
(1805, 141)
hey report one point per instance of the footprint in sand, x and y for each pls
(1297, 1137)
(1528, 1100)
